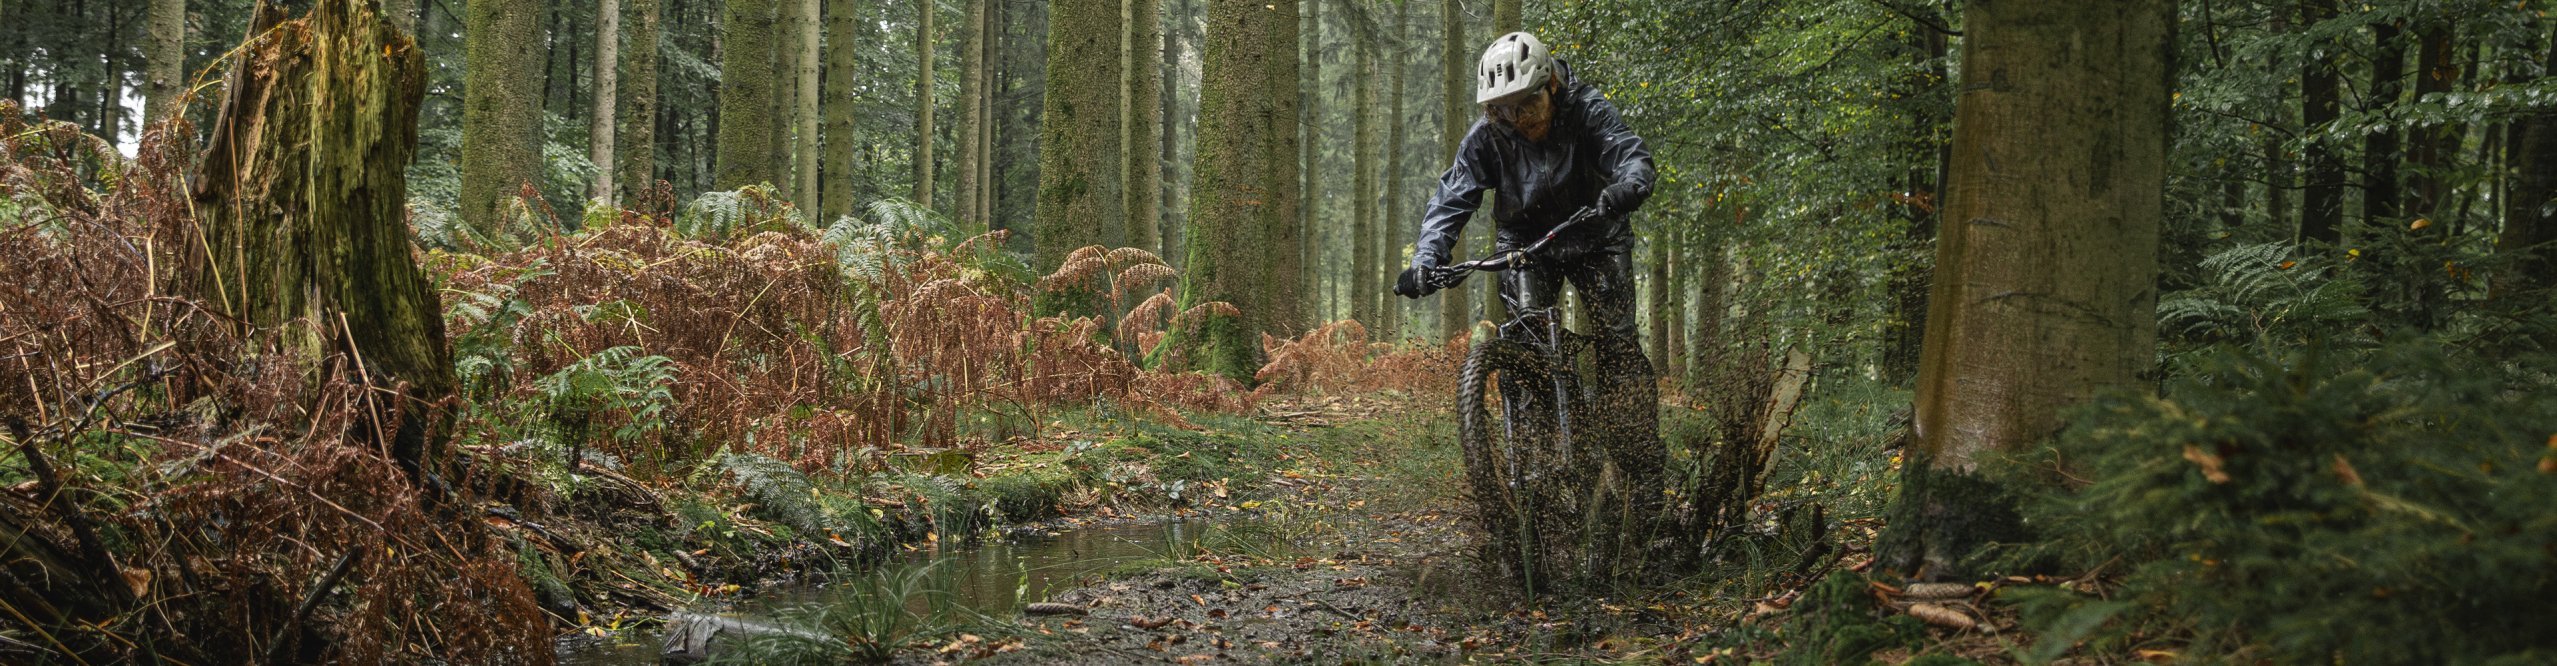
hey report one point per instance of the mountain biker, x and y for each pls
(1551, 146)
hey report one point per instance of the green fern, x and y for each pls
(618, 382)
(2265, 293)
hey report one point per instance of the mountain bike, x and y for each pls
(1541, 463)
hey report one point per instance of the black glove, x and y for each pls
(1413, 284)
(1619, 199)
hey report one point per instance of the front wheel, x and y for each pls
(1505, 414)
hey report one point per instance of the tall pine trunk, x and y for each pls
(599, 135)
(2045, 288)
(2380, 150)
(1509, 16)
(1244, 202)
(972, 118)
(1365, 296)
(501, 111)
(927, 44)
(803, 118)
(1145, 124)
(2322, 196)
(164, 60)
(1079, 173)
(1389, 247)
(1456, 75)
(1310, 148)
(746, 94)
(636, 141)
(2530, 221)
(843, 64)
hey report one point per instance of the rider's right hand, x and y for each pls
(1414, 283)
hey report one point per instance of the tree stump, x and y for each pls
(302, 196)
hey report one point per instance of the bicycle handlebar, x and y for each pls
(1448, 276)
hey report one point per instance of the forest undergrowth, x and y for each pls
(657, 406)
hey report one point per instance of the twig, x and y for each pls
(275, 651)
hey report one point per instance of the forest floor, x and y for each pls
(1363, 554)
(1339, 535)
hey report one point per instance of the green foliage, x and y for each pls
(2319, 505)
(738, 213)
(884, 611)
(2265, 294)
(617, 382)
(1836, 622)
(784, 495)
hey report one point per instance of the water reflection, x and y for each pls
(994, 578)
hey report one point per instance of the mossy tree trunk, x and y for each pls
(2045, 289)
(843, 23)
(636, 141)
(746, 94)
(1244, 201)
(787, 18)
(1080, 194)
(1509, 16)
(302, 193)
(501, 110)
(1145, 124)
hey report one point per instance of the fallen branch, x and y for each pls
(275, 651)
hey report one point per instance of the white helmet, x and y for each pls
(1514, 64)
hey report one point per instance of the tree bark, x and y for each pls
(790, 20)
(164, 76)
(2529, 237)
(607, 63)
(1145, 125)
(401, 14)
(1456, 70)
(746, 94)
(636, 142)
(804, 119)
(1365, 297)
(1509, 16)
(972, 117)
(302, 191)
(501, 112)
(2380, 149)
(1244, 202)
(1389, 257)
(1079, 187)
(2045, 289)
(927, 44)
(2431, 148)
(843, 65)
(2322, 198)
(1310, 129)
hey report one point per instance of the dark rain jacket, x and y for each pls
(1540, 184)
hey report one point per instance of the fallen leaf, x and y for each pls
(1942, 617)
(2210, 463)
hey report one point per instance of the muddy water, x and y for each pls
(995, 578)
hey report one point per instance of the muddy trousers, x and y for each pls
(1624, 390)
